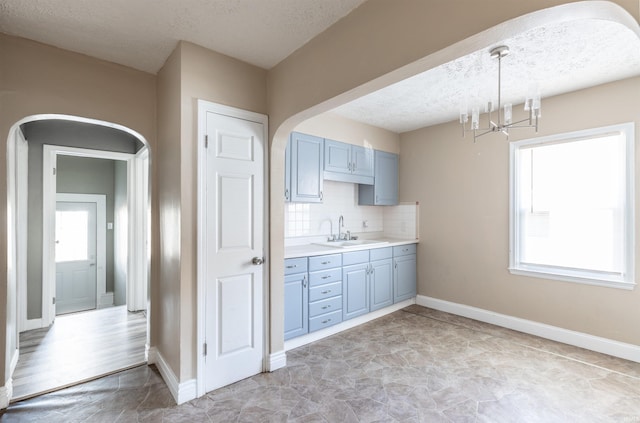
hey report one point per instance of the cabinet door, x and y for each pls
(381, 284)
(384, 191)
(337, 157)
(296, 308)
(404, 278)
(307, 156)
(361, 161)
(386, 179)
(355, 293)
(287, 172)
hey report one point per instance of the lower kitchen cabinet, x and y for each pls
(296, 298)
(321, 291)
(381, 284)
(355, 298)
(404, 272)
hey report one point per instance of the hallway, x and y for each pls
(79, 347)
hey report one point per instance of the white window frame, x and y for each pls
(624, 281)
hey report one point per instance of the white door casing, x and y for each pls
(49, 160)
(231, 225)
(76, 277)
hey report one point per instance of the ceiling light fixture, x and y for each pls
(505, 116)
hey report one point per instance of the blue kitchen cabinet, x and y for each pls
(404, 272)
(380, 278)
(306, 163)
(296, 298)
(384, 191)
(348, 163)
(287, 172)
(325, 291)
(355, 298)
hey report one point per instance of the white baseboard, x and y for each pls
(6, 392)
(579, 339)
(105, 300)
(351, 323)
(277, 361)
(181, 392)
(31, 324)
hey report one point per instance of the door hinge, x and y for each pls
(54, 300)
(206, 144)
(54, 170)
(204, 349)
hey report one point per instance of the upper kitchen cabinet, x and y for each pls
(287, 172)
(348, 163)
(306, 166)
(384, 191)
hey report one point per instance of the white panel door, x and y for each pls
(75, 253)
(233, 166)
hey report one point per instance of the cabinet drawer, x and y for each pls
(325, 320)
(404, 250)
(295, 265)
(317, 308)
(325, 262)
(355, 257)
(325, 291)
(325, 276)
(381, 253)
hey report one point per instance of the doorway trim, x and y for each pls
(49, 160)
(203, 108)
(101, 239)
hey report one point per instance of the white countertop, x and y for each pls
(307, 250)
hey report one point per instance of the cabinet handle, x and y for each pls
(395, 264)
(325, 262)
(326, 292)
(349, 166)
(286, 194)
(326, 307)
(326, 277)
(304, 282)
(321, 196)
(326, 321)
(292, 266)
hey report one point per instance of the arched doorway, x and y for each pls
(82, 145)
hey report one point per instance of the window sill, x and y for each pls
(544, 274)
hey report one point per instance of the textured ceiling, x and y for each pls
(560, 58)
(142, 33)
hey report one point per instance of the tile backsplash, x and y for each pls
(341, 199)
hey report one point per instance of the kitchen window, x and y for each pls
(572, 214)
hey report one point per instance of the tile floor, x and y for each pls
(415, 365)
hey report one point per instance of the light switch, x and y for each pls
(110, 226)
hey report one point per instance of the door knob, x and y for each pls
(257, 261)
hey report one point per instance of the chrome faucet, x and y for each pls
(340, 226)
(331, 237)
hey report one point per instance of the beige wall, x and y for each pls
(335, 127)
(35, 78)
(463, 189)
(191, 73)
(166, 295)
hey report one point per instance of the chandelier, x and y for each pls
(505, 118)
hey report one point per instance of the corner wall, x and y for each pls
(463, 189)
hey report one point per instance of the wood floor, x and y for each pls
(79, 347)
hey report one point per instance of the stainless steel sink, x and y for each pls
(352, 243)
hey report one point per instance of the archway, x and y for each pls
(135, 203)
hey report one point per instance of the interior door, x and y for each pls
(75, 253)
(233, 251)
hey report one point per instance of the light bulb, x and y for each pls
(508, 118)
(475, 117)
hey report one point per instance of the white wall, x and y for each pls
(120, 234)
